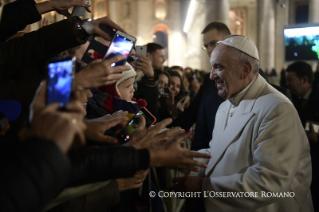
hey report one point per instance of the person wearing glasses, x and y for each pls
(203, 108)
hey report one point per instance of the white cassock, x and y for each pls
(261, 148)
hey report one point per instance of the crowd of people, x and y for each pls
(250, 136)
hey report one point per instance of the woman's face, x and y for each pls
(85, 95)
(175, 85)
(162, 81)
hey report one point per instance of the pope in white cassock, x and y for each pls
(258, 143)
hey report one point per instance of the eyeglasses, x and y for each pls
(211, 44)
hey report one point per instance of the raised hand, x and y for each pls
(99, 73)
(133, 182)
(97, 127)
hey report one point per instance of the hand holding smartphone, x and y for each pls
(164, 91)
(121, 44)
(314, 124)
(131, 126)
(60, 80)
(142, 50)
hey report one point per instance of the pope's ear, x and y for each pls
(247, 68)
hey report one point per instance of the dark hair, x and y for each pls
(152, 47)
(302, 69)
(219, 26)
(177, 67)
(166, 74)
(173, 73)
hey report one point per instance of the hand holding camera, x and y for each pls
(144, 64)
(62, 6)
(63, 128)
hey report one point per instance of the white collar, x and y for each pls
(236, 99)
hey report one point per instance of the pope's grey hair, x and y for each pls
(243, 57)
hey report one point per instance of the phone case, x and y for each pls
(142, 50)
(78, 11)
(55, 60)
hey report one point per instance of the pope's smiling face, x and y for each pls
(226, 71)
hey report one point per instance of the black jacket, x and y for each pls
(16, 16)
(18, 53)
(31, 174)
(95, 164)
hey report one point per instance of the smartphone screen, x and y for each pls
(121, 45)
(60, 77)
(125, 134)
(315, 126)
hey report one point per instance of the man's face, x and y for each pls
(157, 58)
(226, 72)
(294, 84)
(209, 39)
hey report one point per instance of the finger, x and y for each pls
(116, 121)
(88, 9)
(100, 32)
(79, 135)
(113, 77)
(179, 180)
(161, 125)
(311, 128)
(192, 154)
(171, 133)
(40, 96)
(141, 123)
(118, 69)
(108, 82)
(75, 106)
(108, 22)
(106, 139)
(188, 163)
(51, 107)
(65, 13)
(180, 138)
(115, 59)
(96, 61)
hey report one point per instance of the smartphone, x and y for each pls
(60, 80)
(314, 124)
(142, 50)
(131, 126)
(164, 91)
(121, 44)
(183, 94)
(78, 11)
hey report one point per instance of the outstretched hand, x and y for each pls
(63, 128)
(99, 73)
(97, 127)
(167, 152)
(62, 6)
(154, 137)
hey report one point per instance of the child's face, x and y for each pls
(126, 89)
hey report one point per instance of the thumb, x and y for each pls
(106, 139)
(65, 13)
(311, 128)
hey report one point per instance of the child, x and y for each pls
(119, 95)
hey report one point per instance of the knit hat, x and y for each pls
(243, 44)
(113, 88)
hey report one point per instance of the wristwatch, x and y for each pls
(82, 28)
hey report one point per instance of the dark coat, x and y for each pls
(31, 174)
(16, 16)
